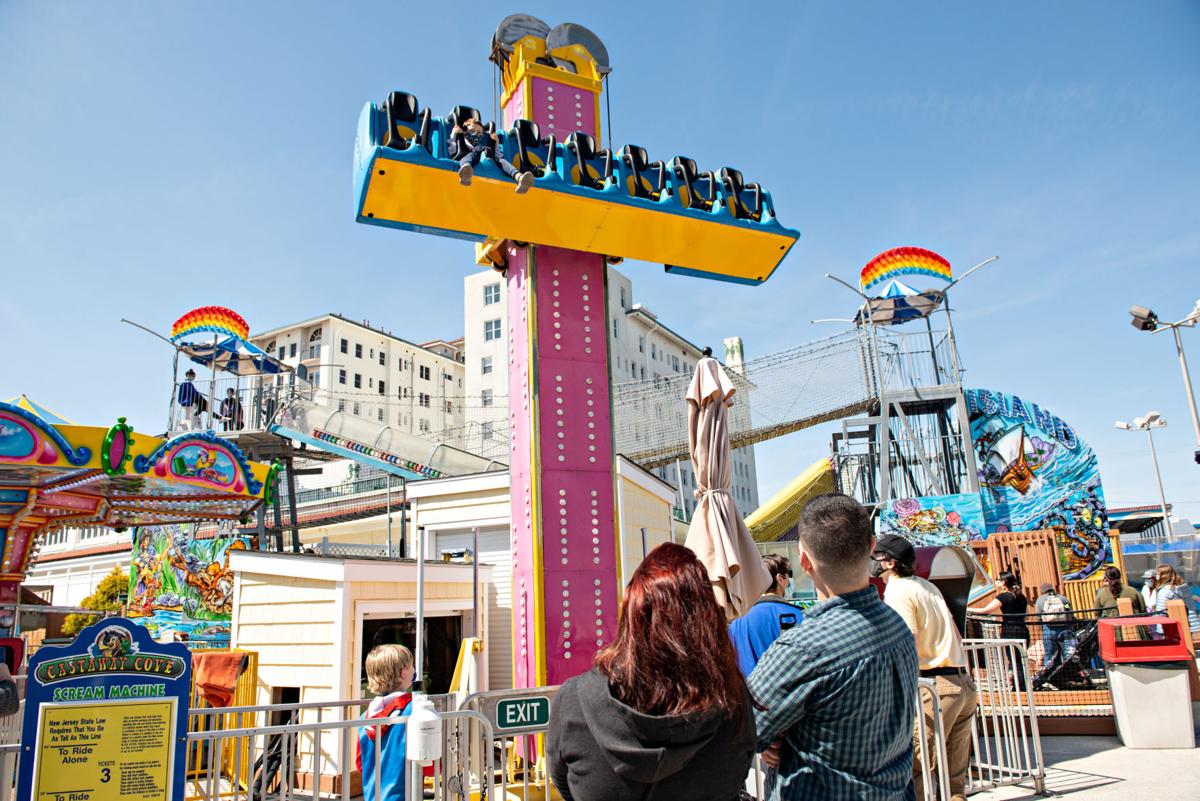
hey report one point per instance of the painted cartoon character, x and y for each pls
(147, 581)
(114, 642)
(213, 582)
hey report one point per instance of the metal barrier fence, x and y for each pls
(490, 746)
(1005, 741)
(933, 786)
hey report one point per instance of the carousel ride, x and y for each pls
(54, 474)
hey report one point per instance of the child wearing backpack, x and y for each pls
(389, 675)
(1058, 630)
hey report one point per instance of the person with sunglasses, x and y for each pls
(754, 632)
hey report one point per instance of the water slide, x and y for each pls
(377, 444)
(779, 514)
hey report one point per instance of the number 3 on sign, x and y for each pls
(105, 775)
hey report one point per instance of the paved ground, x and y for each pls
(1100, 768)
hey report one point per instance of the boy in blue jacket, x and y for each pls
(754, 632)
(389, 675)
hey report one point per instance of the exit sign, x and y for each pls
(531, 712)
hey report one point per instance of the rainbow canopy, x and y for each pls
(213, 319)
(903, 261)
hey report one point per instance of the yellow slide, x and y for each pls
(778, 515)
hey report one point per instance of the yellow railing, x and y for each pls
(231, 761)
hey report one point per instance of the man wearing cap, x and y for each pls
(1149, 587)
(939, 652)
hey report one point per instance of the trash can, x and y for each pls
(1148, 676)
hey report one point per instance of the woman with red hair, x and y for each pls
(664, 713)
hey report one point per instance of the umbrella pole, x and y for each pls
(212, 383)
(174, 392)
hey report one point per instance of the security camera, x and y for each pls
(1143, 318)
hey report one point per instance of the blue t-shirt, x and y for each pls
(753, 632)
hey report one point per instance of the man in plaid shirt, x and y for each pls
(839, 689)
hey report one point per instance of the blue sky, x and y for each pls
(159, 156)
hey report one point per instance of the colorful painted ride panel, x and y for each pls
(182, 586)
(1036, 473)
(416, 187)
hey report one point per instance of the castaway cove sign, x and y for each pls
(106, 718)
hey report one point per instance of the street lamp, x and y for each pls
(1146, 320)
(1148, 423)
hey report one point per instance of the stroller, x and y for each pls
(1072, 672)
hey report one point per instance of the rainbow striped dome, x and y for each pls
(214, 319)
(903, 261)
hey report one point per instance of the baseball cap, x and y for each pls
(896, 547)
(1149, 574)
(1047, 587)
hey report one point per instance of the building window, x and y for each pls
(381, 414)
(424, 372)
(356, 407)
(357, 351)
(642, 370)
(341, 376)
(615, 334)
(486, 397)
(315, 379)
(485, 365)
(423, 399)
(358, 380)
(449, 407)
(399, 418)
(491, 294)
(381, 387)
(344, 346)
(633, 369)
(641, 344)
(341, 406)
(371, 383)
(653, 351)
(371, 353)
(283, 351)
(623, 298)
(382, 363)
(485, 431)
(424, 426)
(491, 330)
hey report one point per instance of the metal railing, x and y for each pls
(1005, 741)
(935, 776)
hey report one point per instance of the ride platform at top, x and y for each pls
(617, 204)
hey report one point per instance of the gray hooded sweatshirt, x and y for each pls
(600, 749)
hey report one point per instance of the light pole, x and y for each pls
(1148, 423)
(1146, 320)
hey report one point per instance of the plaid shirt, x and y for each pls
(841, 689)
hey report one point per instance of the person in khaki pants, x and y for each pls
(941, 657)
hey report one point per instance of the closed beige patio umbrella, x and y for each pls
(717, 534)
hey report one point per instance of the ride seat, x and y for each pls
(699, 188)
(737, 189)
(584, 173)
(406, 123)
(534, 153)
(638, 184)
(458, 115)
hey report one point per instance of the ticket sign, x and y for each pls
(106, 718)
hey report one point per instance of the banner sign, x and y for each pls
(106, 718)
